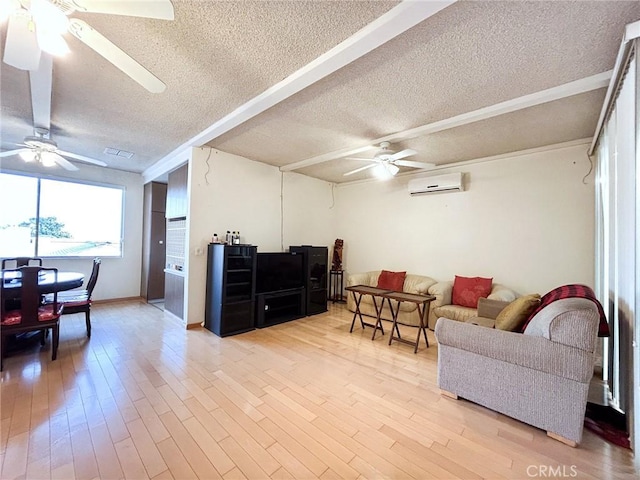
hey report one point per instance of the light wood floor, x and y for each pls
(145, 398)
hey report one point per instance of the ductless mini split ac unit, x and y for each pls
(451, 182)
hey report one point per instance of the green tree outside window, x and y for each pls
(49, 226)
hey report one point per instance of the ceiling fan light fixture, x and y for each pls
(52, 43)
(28, 156)
(41, 143)
(393, 170)
(47, 158)
(385, 171)
(48, 17)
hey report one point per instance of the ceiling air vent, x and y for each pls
(118, 153)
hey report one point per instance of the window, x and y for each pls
(53, 218)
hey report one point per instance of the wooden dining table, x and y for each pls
(46, 284)
(66, 281)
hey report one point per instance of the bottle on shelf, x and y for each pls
(228, 238)
(236, 238)
(215, 238)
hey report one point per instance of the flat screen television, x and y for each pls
(278, 271)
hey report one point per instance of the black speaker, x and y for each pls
(315, 265)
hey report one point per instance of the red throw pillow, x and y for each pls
(467, 290)
(391, 280)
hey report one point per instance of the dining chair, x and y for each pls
(18, 262)
(79, 301)
(29, 314)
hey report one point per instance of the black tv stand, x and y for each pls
(279, 306)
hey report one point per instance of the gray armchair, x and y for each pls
(540, 377)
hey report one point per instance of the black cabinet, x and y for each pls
(154, 228)
(174, 294)
(231, 278)
(279, 307)
(177, 195)
(316, 262)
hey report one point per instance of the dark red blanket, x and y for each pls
(570, 291)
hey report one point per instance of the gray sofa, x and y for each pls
(540, 377)
(443, 292)
(421, 284)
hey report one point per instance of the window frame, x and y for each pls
(57, 178)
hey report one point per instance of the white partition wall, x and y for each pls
(271, 209)
(618, 213)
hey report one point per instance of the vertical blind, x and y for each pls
(617, 239)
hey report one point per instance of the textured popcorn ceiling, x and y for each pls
(214, 57)
(521, 130)
(218, 55)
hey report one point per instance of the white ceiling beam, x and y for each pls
(41, 82)
(396, 21)
(576, 87)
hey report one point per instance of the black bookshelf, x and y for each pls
(316, 262)
(231, 279)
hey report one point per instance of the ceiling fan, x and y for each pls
(41, 148)
(38, 25)
(385, 162)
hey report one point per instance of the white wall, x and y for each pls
(309, 211)
(229, 192)
(119, 277)
(526, 221)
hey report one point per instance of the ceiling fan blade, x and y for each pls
(161, 9)
(402, 154)
(41, 85)
(360, 169)
(8, 153)
(365, 159)
(63, 162)
(21, 49)
(93, 39)
(82, 158)
(407, 163)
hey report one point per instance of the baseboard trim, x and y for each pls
(192, 326)
(114, 300)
